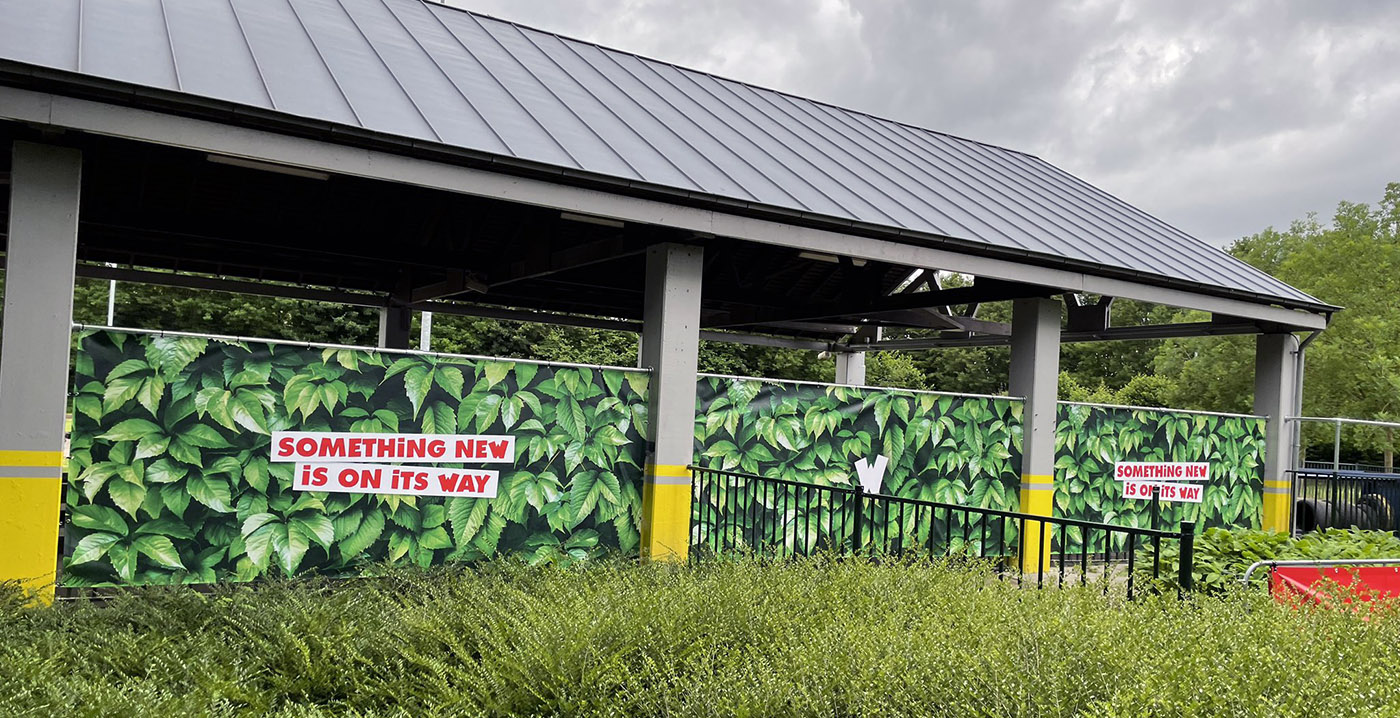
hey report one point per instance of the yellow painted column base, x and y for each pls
(666, 513)
(29, 533)
(1037, 498)
(1278, 506)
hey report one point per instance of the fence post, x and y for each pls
(859, 495)
(1188, 555)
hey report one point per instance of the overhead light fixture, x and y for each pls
(267, 167)
(828, 258)
(590, 219)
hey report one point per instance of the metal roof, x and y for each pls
(437, 74)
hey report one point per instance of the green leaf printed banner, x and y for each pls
(170, 479)
(962, 450)
(1089, 439)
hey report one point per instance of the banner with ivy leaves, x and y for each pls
(170, 482)
(1089, 439)
(953, 449)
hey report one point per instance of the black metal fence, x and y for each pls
(735, 513)
(1325, 498)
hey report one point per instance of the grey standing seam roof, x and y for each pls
(437, 74)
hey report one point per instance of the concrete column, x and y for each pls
(670, 348)
(425, 331)
(43, 241)
(395, 322)
(850, 368)
(1035, 374)
(1275, 398)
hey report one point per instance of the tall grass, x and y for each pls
(738, 638)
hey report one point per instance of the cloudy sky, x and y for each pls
(1220, 117)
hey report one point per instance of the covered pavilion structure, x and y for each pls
(409, 156)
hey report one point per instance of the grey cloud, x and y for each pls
(1221, 118)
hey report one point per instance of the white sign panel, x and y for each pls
(349, 447)
(403, 480)
(1187, 493)
(1161, 471)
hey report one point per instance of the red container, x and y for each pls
(1329, 585)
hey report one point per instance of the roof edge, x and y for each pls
(25, 76)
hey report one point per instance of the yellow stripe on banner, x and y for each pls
(19, 457)
(672, 470)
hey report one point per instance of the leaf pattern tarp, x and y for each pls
(966, 450)
(1090, 438)
(169, 478)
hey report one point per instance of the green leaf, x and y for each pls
(123, 559)
(525, 373)
(89, 406)
(210, 490)
(639, 382)
(166, 526)
(130, 366)
(495, 371)
(92, 547)
(439, 419)
(363, 537)
(131, 430)
(119, 392)
(127, 495)
(290, 546)
(245, 409)
(158, 549)
(467, 516)
(417, 382)
(435, 538)
(317, 527)
(203, 436)
(150, 393)
(180, 451)
(259, 543)
(255, 474)
(101, 518)
(450, 379)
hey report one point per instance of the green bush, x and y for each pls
(1223, 556)
(729, 638)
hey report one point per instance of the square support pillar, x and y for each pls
(670, 348)
(38, 329)
(850, 368)
(1275, 397)
(1035, 375)
(395, 323)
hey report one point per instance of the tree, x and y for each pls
(1353, 368)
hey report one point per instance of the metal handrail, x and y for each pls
(1320, 563)
(999, 513)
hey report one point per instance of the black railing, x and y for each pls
(1324, 498)
(743, 513)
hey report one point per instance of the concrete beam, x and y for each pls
(41, 254)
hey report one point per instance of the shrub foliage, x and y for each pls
(611, 638)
